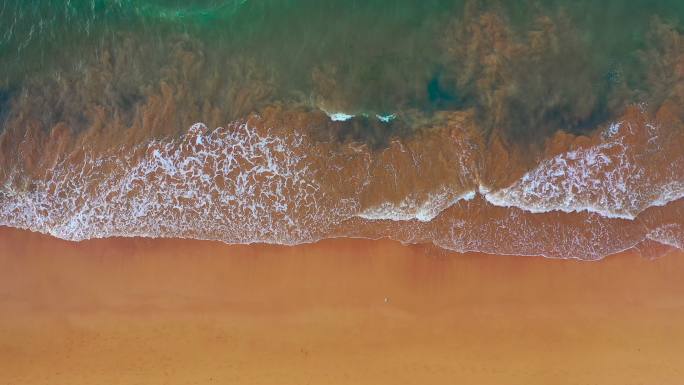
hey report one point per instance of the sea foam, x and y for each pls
(612, 178)
(244, 184)
(413, 208)
(235, 184)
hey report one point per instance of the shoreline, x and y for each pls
(646, 248)
(338, 311)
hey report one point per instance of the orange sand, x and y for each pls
(131, 311)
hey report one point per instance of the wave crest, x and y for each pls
(255, 181)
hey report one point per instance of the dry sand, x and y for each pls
(135, 311)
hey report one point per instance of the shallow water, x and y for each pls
(370, 56)
(545, 127)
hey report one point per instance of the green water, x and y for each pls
(371, 56)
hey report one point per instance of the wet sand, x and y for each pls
(127, 311)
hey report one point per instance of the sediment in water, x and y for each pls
(195, 144)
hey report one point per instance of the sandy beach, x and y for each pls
(338, 192)
(139, 311)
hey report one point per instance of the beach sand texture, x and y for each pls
(136, 311)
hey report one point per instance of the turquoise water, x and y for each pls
(358, 57)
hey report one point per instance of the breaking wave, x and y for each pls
(252, 181)
(613, 178)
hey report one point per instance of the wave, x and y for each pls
(245, 185)
(615, 178)
(253, 181)
(412, 208)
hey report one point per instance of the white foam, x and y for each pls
(670, 234)
(413, 208)
(236, 184)
(240, 184)
(339, 116)
(605, 179)
(386, 118)
(343, 116)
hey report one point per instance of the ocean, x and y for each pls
(550, 128)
